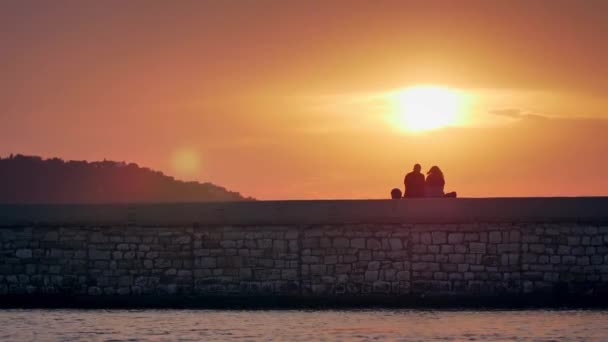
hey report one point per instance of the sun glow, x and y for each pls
(424, 108)
(186, 163)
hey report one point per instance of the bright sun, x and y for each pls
(423, 108)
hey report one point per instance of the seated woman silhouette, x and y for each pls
(434, 183)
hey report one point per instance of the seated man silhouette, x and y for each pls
(414, 183)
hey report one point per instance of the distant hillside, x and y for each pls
(29, 179)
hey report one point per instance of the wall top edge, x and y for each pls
(431, 210)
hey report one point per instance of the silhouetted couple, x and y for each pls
(417, 186)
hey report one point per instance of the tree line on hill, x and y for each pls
(32, 179)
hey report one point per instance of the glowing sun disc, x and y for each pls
(425, 108)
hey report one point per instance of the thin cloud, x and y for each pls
(519, 114)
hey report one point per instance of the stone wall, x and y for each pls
(354, 260)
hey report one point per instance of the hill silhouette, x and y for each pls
(31, 179)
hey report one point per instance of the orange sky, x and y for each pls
(272, 98)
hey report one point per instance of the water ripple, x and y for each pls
(285, 325)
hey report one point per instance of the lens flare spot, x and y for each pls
(186, 162)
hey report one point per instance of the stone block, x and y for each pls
(441, 258)
(440, 276)
(460, 249)
(206, 262)
(330, 259)
(507, 248)
(477, 268)
(434, 249)
(292, 235)
(152, 255)
(455, 238)
(514, 236)
(318, 269)
(471, 237)
(425, 266)
(513, 259)
(122, 247)
(94, 291)
(449, 267)
(425, 238)
(56, 269)
(29, 269)
(419, 249)
(358, 243)
(456, 258)
(129, 255)
(371, 276)
(477, 247)
(311, 259)
(51, 236)
(289, 274)
(343, 268)
(495, 237)
(341, 242)
(374, 244)
(293, 246)
(365, 255)
(537, 248)
(447, 249)
(396, 244)
(591, 230)
(583, 261)
(373, 266)
(228, 244)
(182, 240)
(279, 246)
(543, 259)
(399, 265)
(489, 260)
(99, 255)
(314, 233)
(325, 242)
(564, 250)
(23, 253)
(578, 250)
(439, 237)
(574, 240)
(123, 291)
(350, 258)
(381, 287)
(99, 238)
(403, 275)
(389, 275)
(455, 276)
(306, 243)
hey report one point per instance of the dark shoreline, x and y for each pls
(302, 303)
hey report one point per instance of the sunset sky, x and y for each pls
(315, 99)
